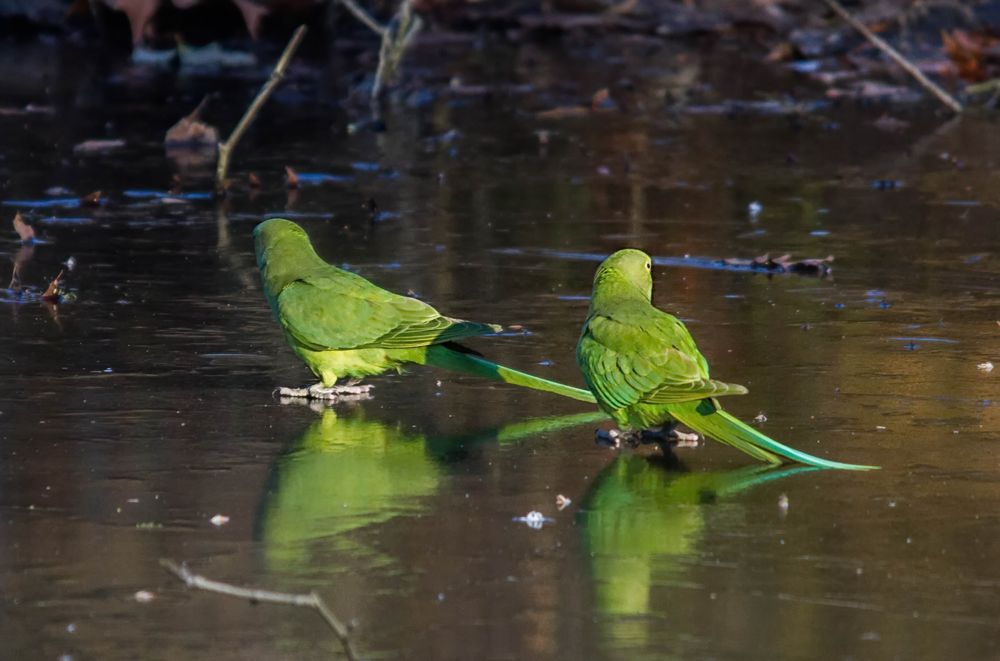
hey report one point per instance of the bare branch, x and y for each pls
(311, 600)
(395, 40)
(226, 148)
(363, 16)
(908, 66)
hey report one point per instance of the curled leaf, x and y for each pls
(52, 294)
(192, 133)
(25, 231)
(784, 264)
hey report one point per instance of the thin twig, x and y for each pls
(398, 35)
(908, 66)
(226, 148)
(363, 16)
(311, 600)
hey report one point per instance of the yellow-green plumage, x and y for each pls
(343, 326)
(645, 370)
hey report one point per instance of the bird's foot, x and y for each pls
(347, 392)
(616, 438)
(670, 434)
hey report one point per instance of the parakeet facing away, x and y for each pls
(345, 327)
(646, 372)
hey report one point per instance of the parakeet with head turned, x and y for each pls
(346, 328)
(646, 371)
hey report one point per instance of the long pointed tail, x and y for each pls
(707, 418)
(441, 356)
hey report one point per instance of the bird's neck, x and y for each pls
(285, 262)
(612, 289)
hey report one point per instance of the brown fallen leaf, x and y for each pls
(784, 264)
(782, 52)
(564, 112)
(253, 180)
(92, 199)
(98, 146)
(252, 13)
(52, 294)
(820, 267)
(967, 52)
(25, 231)
(600, 98)
(139, 13)
(192, 133)
(291, 178)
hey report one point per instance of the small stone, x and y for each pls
(535, 520)
(144, 596)
(219, 520)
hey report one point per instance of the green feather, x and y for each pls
(705, 417)
(442, 356)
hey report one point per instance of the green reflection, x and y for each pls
(348, 472)
(640, 517)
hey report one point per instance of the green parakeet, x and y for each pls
(344, 327)
(645, 370)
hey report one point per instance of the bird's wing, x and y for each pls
(630, 361)
(334, 312)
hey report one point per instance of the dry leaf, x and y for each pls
(91, 200)
(23, 229)
(252, 14)
(967, 52)
(52, 292)
(192, 133)
(784, 264)
(600, 98)
(783, 52)
(139, 13)
(564, 112)
(291, 178)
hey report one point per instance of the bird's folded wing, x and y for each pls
(328, 313)
(625, 364)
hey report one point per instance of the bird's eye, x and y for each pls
(648, 266)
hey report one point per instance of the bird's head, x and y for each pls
(283, 251)
(630, 267)
(269, 232)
